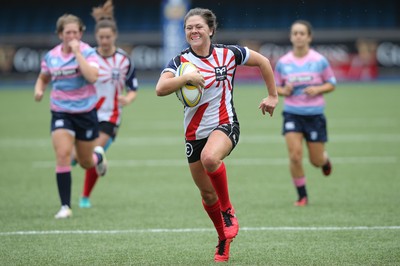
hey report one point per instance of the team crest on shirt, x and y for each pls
(115, 74)
(53, 61)
(220, 73)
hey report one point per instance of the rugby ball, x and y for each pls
(189, 95)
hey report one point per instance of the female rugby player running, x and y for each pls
(211, 127)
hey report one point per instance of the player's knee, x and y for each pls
(209, 161)
(86, 164)
(63, 158)
(295, 159)
(317, 162)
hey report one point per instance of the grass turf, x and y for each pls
(353, 216)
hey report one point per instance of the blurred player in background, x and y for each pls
(116, 73)
(302, 77)
(72, 68)
(211, 127)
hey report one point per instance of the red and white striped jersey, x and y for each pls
(116, 73)
(216, 105)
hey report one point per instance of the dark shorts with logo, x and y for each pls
(84, 125)
(313, 127)
(109, 128)
(194, 147)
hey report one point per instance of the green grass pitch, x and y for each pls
(147, 211)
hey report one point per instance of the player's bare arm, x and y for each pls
(127, 99)
(90, 72)
(40, 86)
(286, 90)
(168, 83)
(269, 103)
(316, 90)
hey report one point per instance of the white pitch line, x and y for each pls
(197, 230)
(241, 161)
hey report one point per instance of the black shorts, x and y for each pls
(194, 147)
(109, 128)
(84, 126)
(313, 127)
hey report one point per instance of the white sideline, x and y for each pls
(196, 230)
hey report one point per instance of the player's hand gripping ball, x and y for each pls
(189, 95)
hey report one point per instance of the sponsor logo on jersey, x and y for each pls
(300, 79)
(65, 72)
(220, 73)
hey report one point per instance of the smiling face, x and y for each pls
(198, 34)
(300, 36)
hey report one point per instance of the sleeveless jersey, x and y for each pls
(216, 105)
(311, 70)
(71, 92)
(116, 73)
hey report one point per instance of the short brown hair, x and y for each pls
(305, 23)
(66, 19)
(206, 14)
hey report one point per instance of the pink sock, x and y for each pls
(95, 158)
(299, 182)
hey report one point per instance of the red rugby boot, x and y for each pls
(222, 250)
(301, 202)
(231, 225)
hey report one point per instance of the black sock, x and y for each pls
(64, 182)
(99, 158)
(302, 191)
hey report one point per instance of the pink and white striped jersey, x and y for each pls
(216, 105)
(71, 92)
(116, 73)
(310, 70)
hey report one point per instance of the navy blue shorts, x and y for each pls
(194, 147)
(313, 127)
(84, 125)
(109, 128)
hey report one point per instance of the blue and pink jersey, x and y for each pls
(310, 70)
(71, 92)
